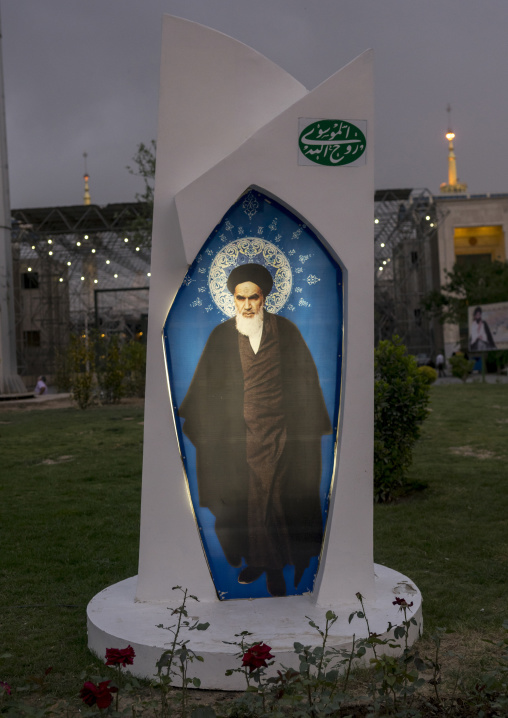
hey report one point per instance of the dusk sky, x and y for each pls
(82, 76)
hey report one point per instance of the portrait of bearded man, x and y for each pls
(480, 338)
(256, 415)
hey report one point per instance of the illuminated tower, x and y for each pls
(86, 196)
(453, 186)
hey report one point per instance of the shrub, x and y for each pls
(497, 361)
(104, 369)
(461, 367)
(401, 397)
(429, 374)
(82, 365)
(110, 373)
(133, 357)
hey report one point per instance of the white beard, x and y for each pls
(250, 326)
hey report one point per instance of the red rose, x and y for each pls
(101, 694)
(256, 656)
(120, 656)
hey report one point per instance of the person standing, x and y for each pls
(255, 413)
(440, 364)
(40, 387)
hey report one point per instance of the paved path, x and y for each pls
(474, 379)
(46, 401)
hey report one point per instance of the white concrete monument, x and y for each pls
(263, 208)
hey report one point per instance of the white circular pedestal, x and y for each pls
(115, 620)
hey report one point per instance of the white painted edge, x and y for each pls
(116, 619)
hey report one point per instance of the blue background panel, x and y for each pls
(308, 290)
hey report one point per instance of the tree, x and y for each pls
(144, 167)
(468, 285)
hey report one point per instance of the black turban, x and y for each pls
(255, 273)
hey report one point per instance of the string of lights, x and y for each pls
(62, 257)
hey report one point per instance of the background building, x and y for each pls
(86, 268)
(473, 228)
(77, 270)
(406, 226)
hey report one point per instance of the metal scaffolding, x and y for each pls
(65, 258)
(83, 267)
(406, 268)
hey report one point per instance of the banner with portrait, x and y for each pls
(488, 327)
(253, 344)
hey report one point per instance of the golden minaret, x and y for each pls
(453, 186)
(86, 196)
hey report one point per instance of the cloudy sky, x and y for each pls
(82, 75)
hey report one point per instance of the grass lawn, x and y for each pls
(452, 538)
(68, 529)
(69, 524)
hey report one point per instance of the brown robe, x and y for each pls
(287, 487)
(266, 435)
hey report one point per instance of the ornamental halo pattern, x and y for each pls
(243, 251)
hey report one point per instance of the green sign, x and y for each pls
(332, 142)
